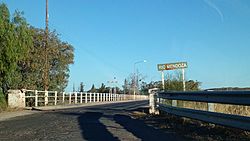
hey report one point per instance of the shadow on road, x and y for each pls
(92, 129)
(142, 131)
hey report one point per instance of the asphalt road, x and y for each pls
(109, 122)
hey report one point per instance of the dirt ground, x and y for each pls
(191, 129)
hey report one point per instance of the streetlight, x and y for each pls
(111, 89)
(143, 61)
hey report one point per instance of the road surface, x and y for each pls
(109, 122)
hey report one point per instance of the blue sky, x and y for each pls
(109, 36)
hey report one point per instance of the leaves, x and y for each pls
(22, 55)
(15, 41)
(60, 56)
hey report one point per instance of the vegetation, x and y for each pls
(3, 104)
(15, 41)
(22, 53)
(60, 55)
(173, 83)
(104, 89)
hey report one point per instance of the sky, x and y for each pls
(109, 36)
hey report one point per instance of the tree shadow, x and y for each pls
(92, 129)
(142, 131)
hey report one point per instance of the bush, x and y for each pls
(3, 103)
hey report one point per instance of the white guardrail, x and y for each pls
(158, 103)
(43, 98)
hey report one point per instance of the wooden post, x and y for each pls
(63, 100)
(36, 98)
(75, 97)
(55, 97)
(90, 97)
(81, 97)
(101, 97)
(46, 98)
(94, 97)
(98, 97)
(70, 98)
(86, 97)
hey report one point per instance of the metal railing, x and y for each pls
(210, 98)
(44, 98)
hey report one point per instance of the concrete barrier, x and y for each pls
(16, 99)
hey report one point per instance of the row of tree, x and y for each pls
(22, 55)
(173, 83)
(102, 89)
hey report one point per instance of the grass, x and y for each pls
(220, 108)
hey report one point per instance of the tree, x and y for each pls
(60, 56)
(93, 89)
(126, 86)
(102, 89)
(22, 55)
(173, 83)
(15, 42)
(134, 82)
(81, 87)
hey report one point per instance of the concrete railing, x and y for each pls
(167, 102)
(35, 98)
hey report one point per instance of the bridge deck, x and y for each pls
(101, 123)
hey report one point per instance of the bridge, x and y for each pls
(95, 116)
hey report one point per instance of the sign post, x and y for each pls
(183, 80)
(173, 66)
(162, 80)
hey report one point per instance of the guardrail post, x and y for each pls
(55, 97)
(81, 97)
(36, 98)
(174, 103)
(63, 98)
(210, 107)
(70, 98)
(75, 97)
(46, 99)
(152, 102)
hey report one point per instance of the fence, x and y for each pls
(44, 98)
(167, 102)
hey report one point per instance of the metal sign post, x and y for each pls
(183, 79)
(162, 80)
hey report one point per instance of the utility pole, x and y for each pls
(46, 69)
(135, 77)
